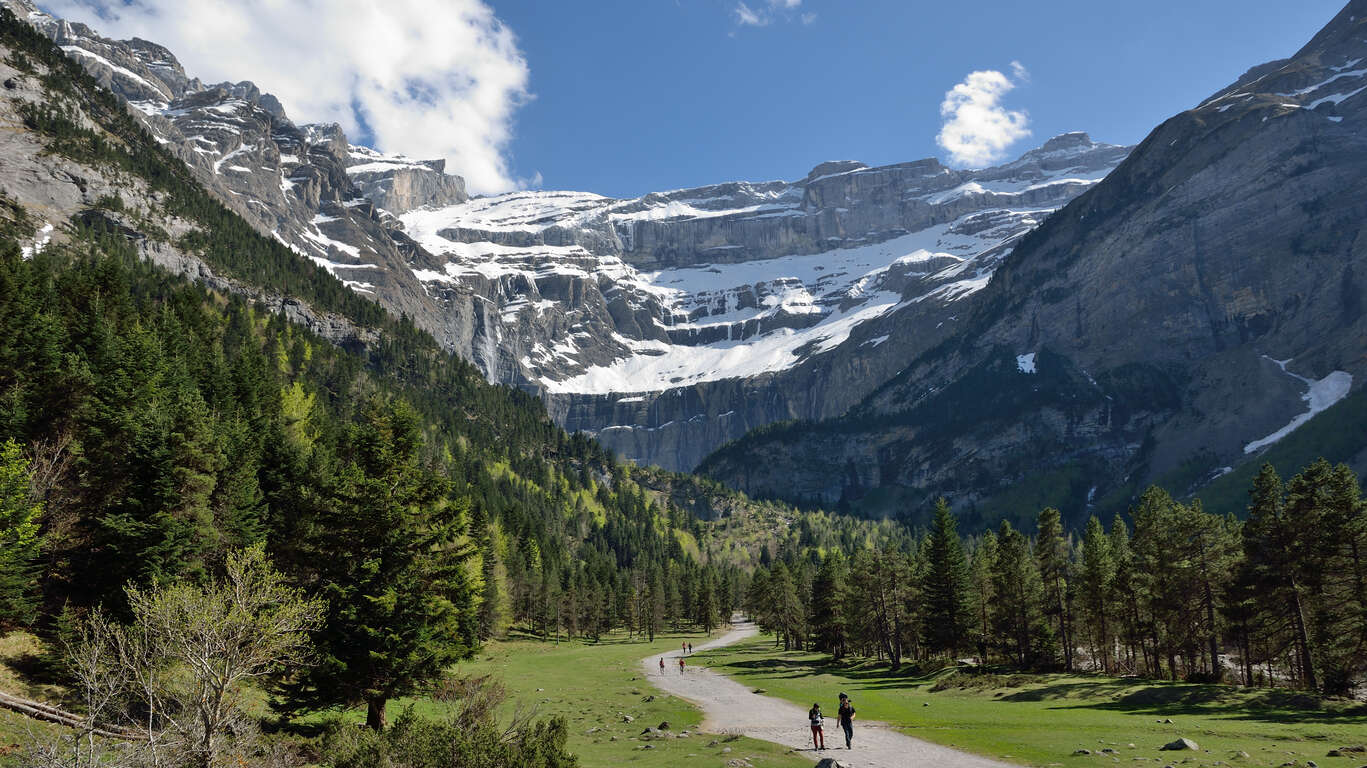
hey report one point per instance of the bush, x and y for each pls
(417, 742)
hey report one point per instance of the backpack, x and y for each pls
(815, 717)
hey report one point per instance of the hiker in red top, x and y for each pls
(681, 665)
(662, 665)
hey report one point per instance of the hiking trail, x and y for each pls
(730, 707)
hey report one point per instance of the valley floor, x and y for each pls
(596, 687)
(732, 707)
(1047, 720)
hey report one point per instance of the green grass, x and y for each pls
(18, 651)
(593, 686)
(1042, 720)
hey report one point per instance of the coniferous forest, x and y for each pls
(1278, 598)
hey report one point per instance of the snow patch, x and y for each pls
(1026, 363)
(1319, 395)
(39, 243)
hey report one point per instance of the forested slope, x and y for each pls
(174, 386)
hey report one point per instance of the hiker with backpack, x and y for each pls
(818, 736)
(846, 716)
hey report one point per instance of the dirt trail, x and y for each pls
(729, 706)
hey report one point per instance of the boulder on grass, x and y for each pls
(1180, 744)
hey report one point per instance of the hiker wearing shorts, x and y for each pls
(846, 716)
(818, 736)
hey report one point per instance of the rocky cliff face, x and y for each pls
(666, 325)
(1178, 319)
(670, 324)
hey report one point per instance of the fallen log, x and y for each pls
(48, 713)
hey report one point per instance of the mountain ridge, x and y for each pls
(1158, 304)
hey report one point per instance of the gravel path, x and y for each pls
(728, 706)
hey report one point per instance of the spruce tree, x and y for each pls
(830, 593)
(387, 563)
(945, 587)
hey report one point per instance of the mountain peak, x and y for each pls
(834, 167)
(1070, 140)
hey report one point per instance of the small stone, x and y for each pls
(10, 84)
(1108, 750)
(1335, 753)
(627, 718)
(1183, 743)
(726, 750)
(1242, 755)
(664, 726)
(925, 703)
(1083, 752)
(1311, 764)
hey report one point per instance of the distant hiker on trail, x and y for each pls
(846, 715)
(690, 649)
(818, 736)
(684, 646)
(681, 665)
(662, 665)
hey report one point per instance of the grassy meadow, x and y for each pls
(594, 686)
(1043, 720)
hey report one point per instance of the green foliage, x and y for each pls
(19, 515)
(948, 613)
(417, 742)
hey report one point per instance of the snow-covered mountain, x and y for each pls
(668, 324)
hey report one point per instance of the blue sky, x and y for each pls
(641, 95)
(623, 97)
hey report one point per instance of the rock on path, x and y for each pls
(730, 707)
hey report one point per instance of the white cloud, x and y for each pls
(761, 15)
(428, 78)
(1019, 72)
(748, 17)
(977, 129)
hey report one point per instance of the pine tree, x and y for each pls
(983, 562)
(1051, 549)
(830, 593)
(399, 606)
(1097, 574)
(948, 613)
(1017, 619)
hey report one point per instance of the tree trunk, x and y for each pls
(1216, 672)
(1302, 639)
(375, 718)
